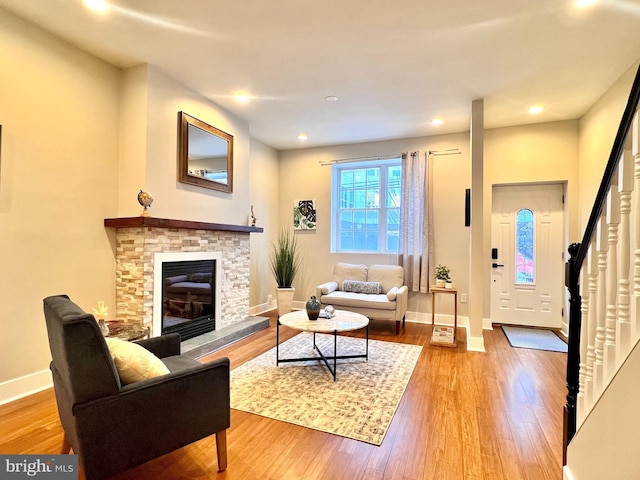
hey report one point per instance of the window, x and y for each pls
(365, 206)
(525, 268)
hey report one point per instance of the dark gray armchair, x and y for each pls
(113, 427)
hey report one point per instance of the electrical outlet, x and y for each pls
(269, 299)
(463, 298)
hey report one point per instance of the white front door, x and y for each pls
(526, 236)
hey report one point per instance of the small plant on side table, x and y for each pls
(442, 275)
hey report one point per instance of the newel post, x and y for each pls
(572, 282)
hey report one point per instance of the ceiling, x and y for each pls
(394, 66)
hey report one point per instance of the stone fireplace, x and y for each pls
(139, 240)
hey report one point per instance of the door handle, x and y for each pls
(496, 265)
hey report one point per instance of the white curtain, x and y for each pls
(416, 251)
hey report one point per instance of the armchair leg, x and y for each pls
(397, 327)
(221, 447)
(66, 446)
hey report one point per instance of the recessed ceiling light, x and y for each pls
(437, 121)
(536, 109)
(331, 98)
(99, 5)
(242, 97)
(584, 3)
(302, 137)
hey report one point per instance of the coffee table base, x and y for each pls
(323, 357)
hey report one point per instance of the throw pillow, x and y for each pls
(134, 362)
(329, 287)
(357, 286)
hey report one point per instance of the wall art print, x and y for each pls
(304, 215)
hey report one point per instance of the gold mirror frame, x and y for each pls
(205, 154)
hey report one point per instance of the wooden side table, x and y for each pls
(127, 331)
(444, 336)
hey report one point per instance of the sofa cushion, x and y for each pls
(357, 286)
(349, 271)
(389, 276)
(134, 362)
(358, 300)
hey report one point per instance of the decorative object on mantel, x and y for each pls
(284, 265)
(100, 313)
(442, 276)
(304, 215)
(145, 199)
(253, 218)
(313, 308)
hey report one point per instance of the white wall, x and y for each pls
(545, 152)
(598, 128)
(606, 445)
(58, 181)
(264, 198)
(302, 177)
(80, 138)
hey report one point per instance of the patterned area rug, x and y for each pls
(359, 405)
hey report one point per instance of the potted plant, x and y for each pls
(284, 265)
(442, 276)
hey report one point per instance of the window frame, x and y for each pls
(382, 209)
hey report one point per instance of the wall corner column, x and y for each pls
(475, 339)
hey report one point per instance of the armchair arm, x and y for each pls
(162, 346)
(402, 302)
(153, 417)
(325, 288)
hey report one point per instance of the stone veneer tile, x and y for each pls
(135, 247)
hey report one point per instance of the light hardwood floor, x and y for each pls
(464, 415)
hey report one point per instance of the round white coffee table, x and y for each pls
(342, 321)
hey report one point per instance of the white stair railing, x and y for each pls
(610, 290)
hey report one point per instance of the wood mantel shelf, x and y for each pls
(128, 222)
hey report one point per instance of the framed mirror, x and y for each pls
(205, 154)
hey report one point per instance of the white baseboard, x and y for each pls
(17, 388)
(475, 344)
(566, 473)
(261, 308)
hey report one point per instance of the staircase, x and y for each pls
(603, 278)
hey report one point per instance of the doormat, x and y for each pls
(534, 338)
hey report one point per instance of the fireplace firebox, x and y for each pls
(188, 297)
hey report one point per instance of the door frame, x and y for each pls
(565, 244)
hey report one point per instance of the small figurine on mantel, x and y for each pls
(253, 218)
(145, 199)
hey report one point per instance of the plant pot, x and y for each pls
(448, 285)
(285, 299)
(439, 283)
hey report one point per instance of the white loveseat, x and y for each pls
(376, 291)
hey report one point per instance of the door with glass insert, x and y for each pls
(526, 274)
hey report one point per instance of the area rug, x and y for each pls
(534, 338)
(360, 404)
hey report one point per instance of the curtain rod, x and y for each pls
(360, 159)
(450, 151)
(435, 153)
